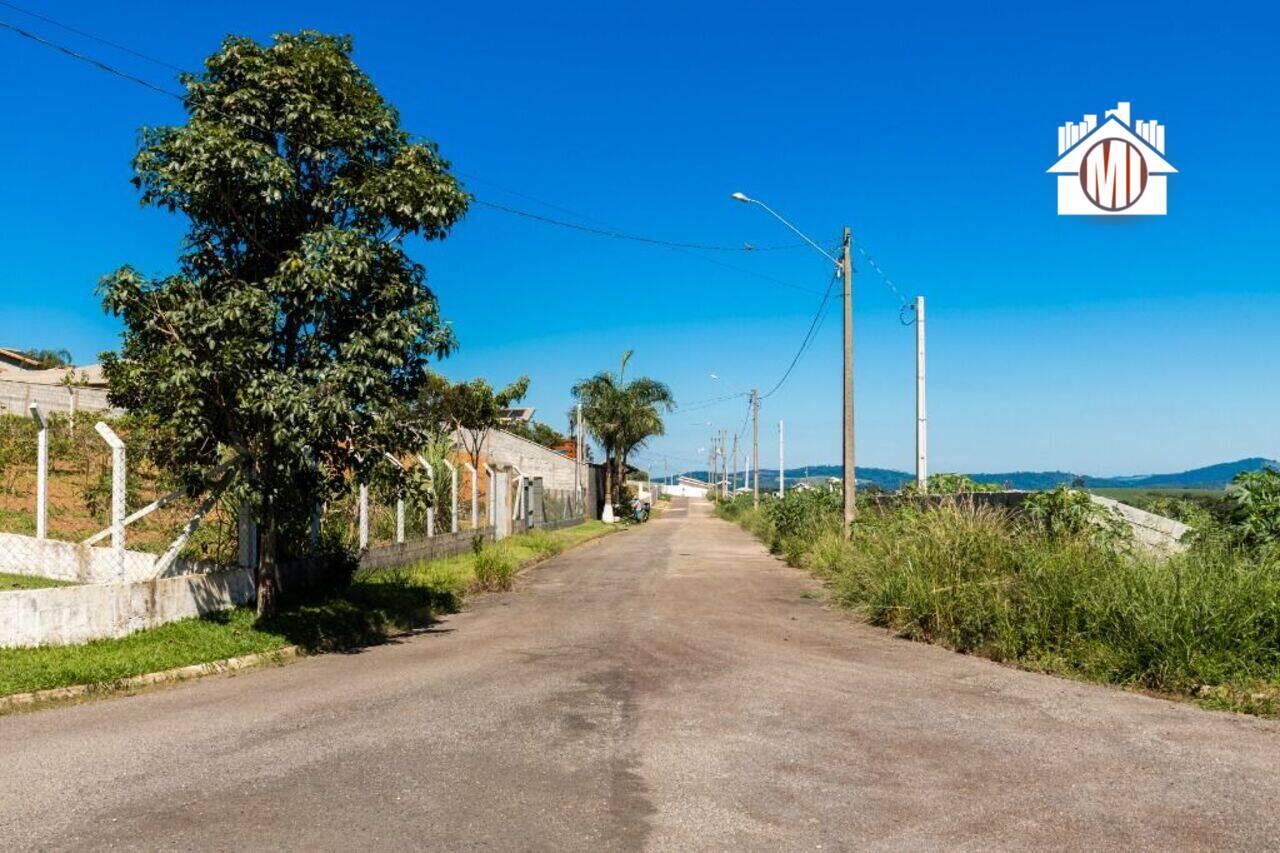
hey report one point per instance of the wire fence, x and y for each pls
(83, 502)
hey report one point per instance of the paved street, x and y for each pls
(668, 688)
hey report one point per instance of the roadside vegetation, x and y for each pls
(377, 604)
(1057, 587)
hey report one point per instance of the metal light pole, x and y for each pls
(845, 266)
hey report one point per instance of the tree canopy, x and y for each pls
(622, 415)
(472, 408)
(295, 325)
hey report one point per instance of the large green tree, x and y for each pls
(622, 415)
(295, 323)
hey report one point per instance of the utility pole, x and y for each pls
(724, 465)
(755, 447)
(733, 485)
(850, 462)
(782, 463)
(922, 438)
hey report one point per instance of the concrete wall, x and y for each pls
(70, 561)
(440, 545)
(16, 398)
(1154, 532)
(78, 614)
(556, 471)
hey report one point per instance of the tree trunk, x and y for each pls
(608, 484)
(267, 576)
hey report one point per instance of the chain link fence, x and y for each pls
(83, 501)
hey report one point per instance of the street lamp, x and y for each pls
(845, 266)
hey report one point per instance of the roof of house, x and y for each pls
(18, 358)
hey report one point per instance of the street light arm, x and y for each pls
(777, 216)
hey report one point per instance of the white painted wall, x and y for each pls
(69, 561)
(77, 614)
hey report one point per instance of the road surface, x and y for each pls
(669, 688)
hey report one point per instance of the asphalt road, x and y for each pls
(669, 688)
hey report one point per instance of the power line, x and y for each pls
(617, 235)
(602, 232)
(60, 25)
(808, 338)
(102, 66)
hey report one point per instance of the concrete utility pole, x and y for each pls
(579, 451)
(850, 462)
(922, 437)
(755, 447)
(733, 486)
(724, 465)
(845, 266)
(782, 463)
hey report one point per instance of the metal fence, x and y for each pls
(80, 501)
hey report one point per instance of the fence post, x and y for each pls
(247, 536)
(475, 495)
(317, 509)
(399, 520)
(453, 495)
(42, 472)
(431, 507)
(364, 516)
(503, 521)
(492, 508)
(118, 474)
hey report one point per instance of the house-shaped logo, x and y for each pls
(1113, 169)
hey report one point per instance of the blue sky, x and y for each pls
(1116, 346)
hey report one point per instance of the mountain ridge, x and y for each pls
(1217, 476)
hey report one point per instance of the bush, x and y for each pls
(1065, 513)
(1048, 591)
(1257, 506)
(495, 568)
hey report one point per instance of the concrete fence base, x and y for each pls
(431, 548)
(61, 616)
(70, 561)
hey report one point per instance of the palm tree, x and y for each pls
(622, 416)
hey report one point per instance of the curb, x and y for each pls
(168, 676)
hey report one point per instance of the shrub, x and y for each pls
(950, 484)
(1257, 506)
(1051, 593)
(1065, 513)
(495, 568)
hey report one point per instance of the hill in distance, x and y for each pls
(1209, 477)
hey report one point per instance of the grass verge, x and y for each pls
(376, 605)
(9, 582)
(1204, 625)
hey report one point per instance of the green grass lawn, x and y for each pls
(376, 604)
(8, 582)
